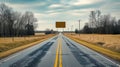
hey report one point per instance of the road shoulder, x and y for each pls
(17, 49)
(106, 52)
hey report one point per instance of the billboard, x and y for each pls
(60, 24)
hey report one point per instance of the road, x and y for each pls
(58, 51)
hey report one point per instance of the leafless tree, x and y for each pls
(104, 24)
(14, 23)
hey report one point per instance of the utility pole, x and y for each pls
(79, 27)
(68, 29)
(71, 29)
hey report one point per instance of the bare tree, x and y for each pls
(16, 24)
(104, 24)
(29, 19)
(6, 20)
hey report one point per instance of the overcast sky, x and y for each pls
(49, 11)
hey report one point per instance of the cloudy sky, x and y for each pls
(49, 11)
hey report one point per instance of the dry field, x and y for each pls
(4, 40)
(8, 43)
(111, 42)
(108, 45)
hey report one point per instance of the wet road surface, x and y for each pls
(58, 51)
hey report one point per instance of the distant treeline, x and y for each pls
(13, 23)
(101, 24)
(48, 31)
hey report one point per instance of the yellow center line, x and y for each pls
(58, 59)
(60, 63)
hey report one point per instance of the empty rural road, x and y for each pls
(58, 51)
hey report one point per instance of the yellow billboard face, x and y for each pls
(60, 24)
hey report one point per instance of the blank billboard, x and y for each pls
(60, 24)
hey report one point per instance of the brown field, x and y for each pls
(9, 46)
(4, 40)
(111, 42)
(39, 33)
(10, 42)
(100, 43)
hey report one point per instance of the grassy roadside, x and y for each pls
(108, 41)
(107, 52)
(15, 47)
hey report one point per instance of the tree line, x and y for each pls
(13, 23)
(101, 24)
(48, 31)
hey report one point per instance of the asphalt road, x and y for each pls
(58, 51)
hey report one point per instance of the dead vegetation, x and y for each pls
(10, 47)
(100, 47)
(8, 42)
(111, 42)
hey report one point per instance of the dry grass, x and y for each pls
(9, 47)
(5, 40)
(111, 42)
(39, 33)
(113, 54)
(11, 51)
